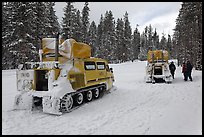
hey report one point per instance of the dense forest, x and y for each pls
(24, 24)
(187, 39)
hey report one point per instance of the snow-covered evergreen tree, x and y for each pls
(53, 26)
(25, 24)
(127, 38)
(136, 43)
(188, 33)
(109, 35)
(100, 37)
(41, 19)
(169, 46)
(155, 38)
(85, 22)
(163, 42)
(21, 47)
(150, 39)
(6, 34)
(77, 33)
(92, 35)
(119, 40)
(143, 48)
(67, 21)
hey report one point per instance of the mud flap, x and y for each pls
(23, 101)
(51, 105)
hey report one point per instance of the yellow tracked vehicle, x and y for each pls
(157, 68)
(65, 77)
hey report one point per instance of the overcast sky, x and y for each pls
(161, 15)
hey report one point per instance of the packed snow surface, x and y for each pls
(132, 107)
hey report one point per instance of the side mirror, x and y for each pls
(111, 69)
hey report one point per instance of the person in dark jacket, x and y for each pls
(172, 68)
(184, 71)
(189, 68)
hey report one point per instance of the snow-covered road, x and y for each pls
(133, 107)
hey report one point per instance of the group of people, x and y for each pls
(186, 70)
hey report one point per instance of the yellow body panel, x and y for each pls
(157, 55)
(81, 50)
(90, 77)
(68, 49)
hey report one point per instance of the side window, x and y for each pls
(100, 65)
(89, 65)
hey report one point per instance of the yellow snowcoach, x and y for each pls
(157, 68)
(65, 77)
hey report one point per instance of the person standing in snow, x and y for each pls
(189, 68)
(172, 68)
(184, 70)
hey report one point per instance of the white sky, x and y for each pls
(161, 15)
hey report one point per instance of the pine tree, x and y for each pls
(53, 26)
(188, 33)
(144, 45)
(21, 44)
(127, 38)
(85, 22)
(100, 38)
(40, 24)
(119, 40)
(77, 33)
(143, 48)
(198, 12)
(150, 39)
(27, 23)
(67, 21)
(41, 19)
(136, 43)
(155, 40)
(163, 42)
(109, 35)
(169, 46)
(6, 34)
(92, 35)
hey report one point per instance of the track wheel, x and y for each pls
(66, 103)
(79, 99)
(89, 95)
(96, 93)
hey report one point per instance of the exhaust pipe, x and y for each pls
(40, 49)
(57, 47)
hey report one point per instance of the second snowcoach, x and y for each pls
(157, 68)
